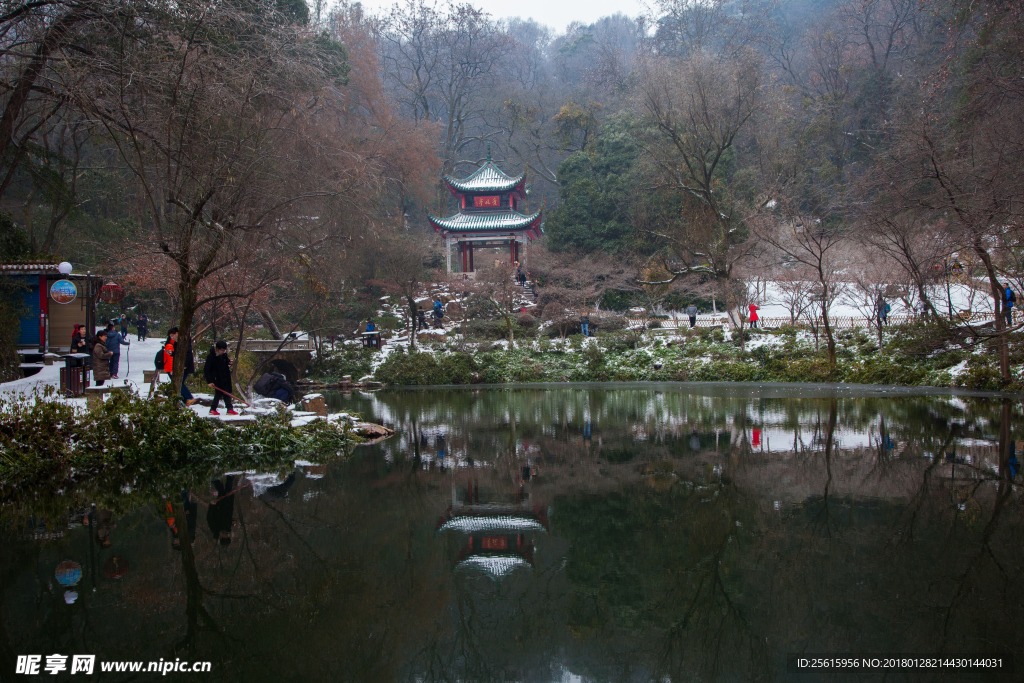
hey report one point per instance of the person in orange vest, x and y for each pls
(753, 315)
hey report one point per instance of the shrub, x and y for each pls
(527, 321)
(609, 323)
(421, 368)
(886, 370)
(980, 377)
(389, 323)
(347, 360)
(152, 450)
(488, 330)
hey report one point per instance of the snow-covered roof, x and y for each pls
(473, 525)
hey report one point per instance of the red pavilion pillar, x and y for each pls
(471, 268)
(462, 249)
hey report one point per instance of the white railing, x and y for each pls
(270, 345)
(838, 322)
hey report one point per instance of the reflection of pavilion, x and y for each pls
(496, 536)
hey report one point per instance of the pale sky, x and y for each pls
(557, 14)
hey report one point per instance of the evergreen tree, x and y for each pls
(598, 190)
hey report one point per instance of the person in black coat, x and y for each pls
(78, 344)
(217, 372)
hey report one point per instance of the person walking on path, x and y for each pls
(123, 322)
(1009, 299)
(114, 343)
(753, 315)
(585, 324)
(691, 311)
(421, 319)
(217, 372)
(141, 325)
(101, 359)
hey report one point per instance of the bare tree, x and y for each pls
(212, 115)
(439, 63)
(32, 36)
(401, 272)
(497, 290)
(817, 247)
(698, 107)
(870, 279)
(918, 246)
(795, 287)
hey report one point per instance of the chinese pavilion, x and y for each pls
(488, 217)
(494, 537)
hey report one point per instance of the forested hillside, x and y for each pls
(269, 162)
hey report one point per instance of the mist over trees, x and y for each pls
(696, 145)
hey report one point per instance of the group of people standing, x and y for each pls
(436, 314)
(104, 350)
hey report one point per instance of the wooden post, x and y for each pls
(471, 268)
(462, 248)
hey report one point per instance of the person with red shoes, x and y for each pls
(217, 372)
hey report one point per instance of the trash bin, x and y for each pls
(73, 378)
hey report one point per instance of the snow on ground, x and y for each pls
(135, 359)
(962, 297)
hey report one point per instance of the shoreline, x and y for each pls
(721, 389)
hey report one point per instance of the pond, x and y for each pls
(576, 533)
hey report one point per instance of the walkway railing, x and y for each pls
(839, 322)
(271, 345)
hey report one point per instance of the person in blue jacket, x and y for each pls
(1009, 299)
(114, 343)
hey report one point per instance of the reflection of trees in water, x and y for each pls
(698, 576)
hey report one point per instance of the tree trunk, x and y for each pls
(1002, 343)
(412, 320)
(33, 72)
(268, 320)
(240, 319)
(829, 338)
(188, 290)
(511, 334)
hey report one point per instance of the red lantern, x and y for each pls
(111, 293)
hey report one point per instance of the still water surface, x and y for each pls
(586, 533)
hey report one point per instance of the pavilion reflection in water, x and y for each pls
(495, 532)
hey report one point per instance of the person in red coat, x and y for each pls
(753, 315)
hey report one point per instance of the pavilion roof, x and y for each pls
(488, 221)
(495, 567)
(487, 524)
(487, 178)
(28, 267)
